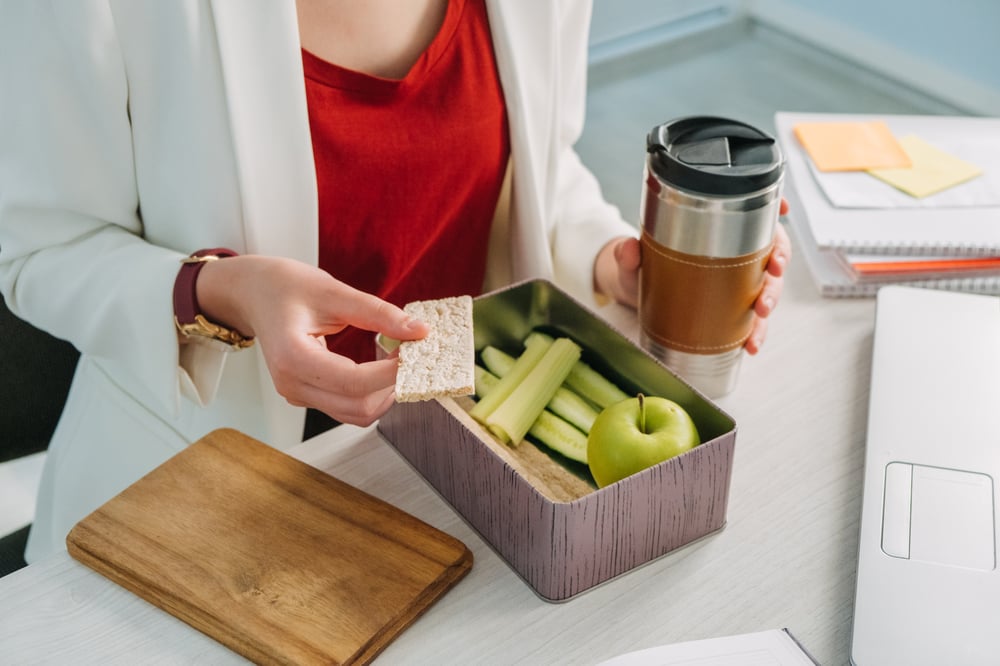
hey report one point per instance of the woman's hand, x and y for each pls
(289, 307)
(616, 275)
(774, 279)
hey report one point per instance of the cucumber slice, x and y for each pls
(560, 435)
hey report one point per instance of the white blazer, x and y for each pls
(135, 132)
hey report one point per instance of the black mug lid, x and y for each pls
(715, 156)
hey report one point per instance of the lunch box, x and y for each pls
(543, 516)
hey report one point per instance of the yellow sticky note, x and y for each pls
(851, 146)
(933, 170)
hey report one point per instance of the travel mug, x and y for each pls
(710, 203)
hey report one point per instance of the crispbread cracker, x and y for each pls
(442, 363)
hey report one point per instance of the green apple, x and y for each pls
(631, 435)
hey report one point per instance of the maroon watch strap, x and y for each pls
(186, 306)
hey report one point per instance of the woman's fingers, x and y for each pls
(309, 375)
(774, 277)
(356, 410)
(628, 256)
(782, 252)
(294, 307)
(769, 295)
(763, 307)
(325, 371)
(774, 283)
(371, 313)
(757, 334)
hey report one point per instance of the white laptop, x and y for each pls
(928, 587)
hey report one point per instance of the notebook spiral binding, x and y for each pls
(833, 280)
(948, 249)
(975, 285)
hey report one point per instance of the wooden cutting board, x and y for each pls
(279, 561)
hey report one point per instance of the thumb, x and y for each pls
(409, 328)
(367, 311)
(628, 254)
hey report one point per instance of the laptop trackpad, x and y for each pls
(938, 515)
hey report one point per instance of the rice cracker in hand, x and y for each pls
(442, 363)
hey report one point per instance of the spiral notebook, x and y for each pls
(966, 224)
(834, 279)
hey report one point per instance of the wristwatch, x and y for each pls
(187, 313)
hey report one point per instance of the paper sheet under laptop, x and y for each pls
(775, 647)
(928, 588)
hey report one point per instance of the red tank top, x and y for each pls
(409, 171)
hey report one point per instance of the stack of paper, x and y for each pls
(894, 199)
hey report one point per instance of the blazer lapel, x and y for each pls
(524, 34)
(265, 93)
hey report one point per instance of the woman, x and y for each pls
(150, 131)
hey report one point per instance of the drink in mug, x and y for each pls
(710, 204)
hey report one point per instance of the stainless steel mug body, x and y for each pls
(710, 202)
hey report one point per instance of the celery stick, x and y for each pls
(564, 403)
(548, 428)
(525, 363)
(552, 431)
(583, 379)
(512, 419)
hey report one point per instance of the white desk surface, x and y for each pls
(786, 557)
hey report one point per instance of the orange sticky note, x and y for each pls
(851, 146)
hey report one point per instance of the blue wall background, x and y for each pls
(949, 49)
(961, 35)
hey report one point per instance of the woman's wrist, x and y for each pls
(218, 291)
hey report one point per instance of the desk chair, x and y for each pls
(35, 373)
